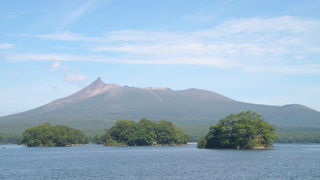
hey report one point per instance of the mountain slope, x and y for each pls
(99, 104)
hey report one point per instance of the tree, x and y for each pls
(97, 139)
(165, 132)
(181, 137)
(149, 126)
(246, 130)
(141, 137)
(46, 135)
(143, 133)
(1, 138)
(123, 130)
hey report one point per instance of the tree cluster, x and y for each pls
(46, 135)
(298, 135)
(143, 133)
(246, 130)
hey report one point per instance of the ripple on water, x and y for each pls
(284, 161)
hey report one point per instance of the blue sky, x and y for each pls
(260, 52)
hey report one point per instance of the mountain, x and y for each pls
(99, 104)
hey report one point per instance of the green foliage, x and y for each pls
(143, 133)
(1, 138)
(298, 135)
(97, 139)
(287, 133)
(46, 135)
(245, 130)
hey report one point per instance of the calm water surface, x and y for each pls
(284, 161)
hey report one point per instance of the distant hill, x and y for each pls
(96, 106)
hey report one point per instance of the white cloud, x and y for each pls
(13, 14)
(214, 62)
(198, 18)
(55, 66)
(75, 77)
(63, 36)
(58, 65)
(285, 44)
(105, 59)
(6, 46)
(253, 25)
(305, 69)
(68, 36)
(42, 57)
(77, 13)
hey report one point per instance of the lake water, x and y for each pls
(284, 161)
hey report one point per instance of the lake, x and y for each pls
(283, 161)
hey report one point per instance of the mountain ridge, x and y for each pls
(99, 104)
(99, 87)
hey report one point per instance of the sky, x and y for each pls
(263, 52)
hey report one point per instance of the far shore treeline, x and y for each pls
(245, 130)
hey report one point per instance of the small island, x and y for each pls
(143, 133)
(246, 130)
(46, 135)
